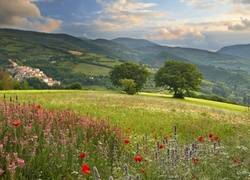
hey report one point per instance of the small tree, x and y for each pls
(178, 77)
(130, 76)
(129, 86)
(75, 86)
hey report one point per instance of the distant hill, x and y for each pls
(134, 43)
(241, 50)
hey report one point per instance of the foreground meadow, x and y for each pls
(103, 135)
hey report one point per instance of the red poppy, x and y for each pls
(85, 169)
(216, 138)
(16, 123)
(210, 135)
(38, 107)
(236, 161)
(201, 139)
(143, 171)
(161, 146)
(138, 158)
(126, 141)
(196, 160)
(82, 155)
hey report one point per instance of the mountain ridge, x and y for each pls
(240, 50)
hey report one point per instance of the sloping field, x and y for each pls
(165, 138)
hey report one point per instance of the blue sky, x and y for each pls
(203, 24)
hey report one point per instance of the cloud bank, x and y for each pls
(26, 15)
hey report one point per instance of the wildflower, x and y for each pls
(161, 146)
(138, 158)
(165, 138)
(196, 160)
(194, 177)
(1, 171)
(97, 175)
(143, 171)
(20, 162)
(16, 123)
(82, 155)
(236, 161)
(85, 169)
(38, 107)
(210, 135)
(201, 139)
(126, 141)
(216, 138)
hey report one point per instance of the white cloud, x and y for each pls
(25, 14)
(175, 33)
(201, 4)
(125, 14)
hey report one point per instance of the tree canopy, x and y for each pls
(178, 77)
(130, 76)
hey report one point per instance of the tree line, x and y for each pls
(180, 78)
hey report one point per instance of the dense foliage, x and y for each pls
(130, 76)
(178, 77)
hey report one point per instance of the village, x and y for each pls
(23, 72)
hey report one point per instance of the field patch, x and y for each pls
(76, 53)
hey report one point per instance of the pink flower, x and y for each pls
(20, 162)
(1, 171)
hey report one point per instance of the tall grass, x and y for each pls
(176, 140)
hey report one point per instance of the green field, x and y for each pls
(146, 120)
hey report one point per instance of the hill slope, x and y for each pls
(52, 53)
(242, 50)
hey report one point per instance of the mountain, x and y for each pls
(134, 43)
(70, 59)
(241, 50)
(152, 54)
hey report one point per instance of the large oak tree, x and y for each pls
(130, 76)
(178, 77)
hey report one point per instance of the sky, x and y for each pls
(202, 24)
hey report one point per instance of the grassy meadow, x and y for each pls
(110, 135)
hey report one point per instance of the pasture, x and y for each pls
(109, 135)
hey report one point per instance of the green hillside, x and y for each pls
(241, 50)
(70, 59)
